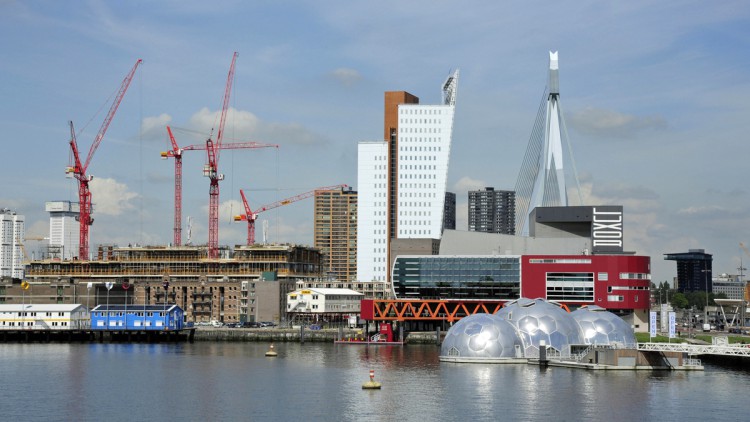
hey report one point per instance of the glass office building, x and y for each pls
(456, 277)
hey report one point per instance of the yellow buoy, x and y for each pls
(372, 384)
(271, 352)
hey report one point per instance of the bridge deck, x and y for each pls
(696, 349)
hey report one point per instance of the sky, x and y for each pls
(654, 94)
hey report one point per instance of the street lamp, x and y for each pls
(165, 283)
(705, 278)
(108, 285)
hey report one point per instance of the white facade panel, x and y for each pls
(64, 235)
(372, 188)
(425, 133)
(64, 231)
(324, 300)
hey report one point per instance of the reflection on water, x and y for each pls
(313, 381)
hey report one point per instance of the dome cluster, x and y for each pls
(522, 325)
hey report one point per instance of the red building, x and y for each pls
(614, 282)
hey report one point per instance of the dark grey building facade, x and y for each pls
(492, 211)
(693, 270)
(449, 211)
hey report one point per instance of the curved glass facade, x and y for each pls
(457, 277)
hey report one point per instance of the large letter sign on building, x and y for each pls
(606, 229)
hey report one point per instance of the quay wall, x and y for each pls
(291, 335)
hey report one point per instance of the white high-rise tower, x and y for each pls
(11, 244)
(63, 229)
(542, 179)
(402, 180)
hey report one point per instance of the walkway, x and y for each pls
(696, 349)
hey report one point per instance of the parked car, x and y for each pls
(266, 324)
(315, 327)
(254, 324)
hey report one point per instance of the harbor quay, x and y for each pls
(199, 334)
(299, 334)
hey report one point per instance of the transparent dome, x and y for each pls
(600, 326)
(538, 320)
(481, 336)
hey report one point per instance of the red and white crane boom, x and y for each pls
(251, 216)
(176, 153)
(211, 169)
(78, 170)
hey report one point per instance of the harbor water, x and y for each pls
(323, 382)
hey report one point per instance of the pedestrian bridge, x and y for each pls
(697, 349)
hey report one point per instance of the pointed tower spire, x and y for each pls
(541, 181)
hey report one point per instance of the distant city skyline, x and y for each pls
(654, 97)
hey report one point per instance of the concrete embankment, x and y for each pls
(289, 334)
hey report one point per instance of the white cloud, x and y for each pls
(609, 123)
(706, 211)
(111, 197)
(346, 76)
(37, 229)
(466, 184)
(154, 128)
(462, 216)
(245, 126)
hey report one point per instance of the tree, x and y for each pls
(679, 301)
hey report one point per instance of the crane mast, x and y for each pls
(212, 170)
(251, 216)
(176, 153)
(78, 170)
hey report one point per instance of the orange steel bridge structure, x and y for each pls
(428, 309)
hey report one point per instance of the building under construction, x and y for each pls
(251, 285)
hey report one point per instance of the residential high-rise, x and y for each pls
(449, 211)
(64, 233)
(336, 232)
(11, 244)
(402, 179)
(492, 211)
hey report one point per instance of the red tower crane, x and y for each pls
(211, 169)
(251, 216)
(176, 153)
(78, 170)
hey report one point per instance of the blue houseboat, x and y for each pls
(137, 318)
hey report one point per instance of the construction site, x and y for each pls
(209, 282)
